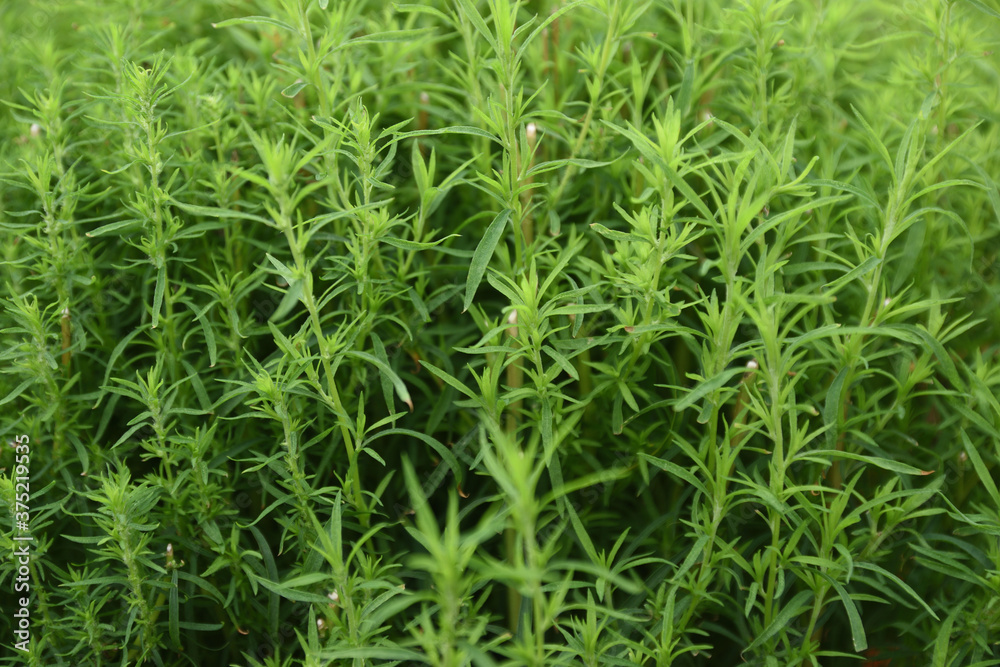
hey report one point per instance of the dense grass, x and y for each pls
(528, 333)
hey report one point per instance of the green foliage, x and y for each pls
(493, 332)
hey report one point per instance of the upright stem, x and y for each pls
(515, 378)
(332, 396)
(777, 486)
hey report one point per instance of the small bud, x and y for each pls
(512, 319)
(425, 98)
(886, 302)
(780, 43)
(752, 365)
(36, 129)
(170, 550)
(320, 624)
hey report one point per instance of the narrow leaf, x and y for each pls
(446, 454)
(707, 387)
(406, 244)
(785, 616)
(981, 470)
(450, 380)
(470, 12)
(984, 8)
(876, 143)
(862, 565)
(18, 390)
(295, 88)
(677, 471)
(256, 20)
(831, 409)
(208, 333)
(401, 390)
(484, 253)
(858, 636)
(161, 283)
(621, 237)
(943, 640)
(457, 129)
(858, 271)
(878, 461)
(121, 225)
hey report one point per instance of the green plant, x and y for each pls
(495, 332)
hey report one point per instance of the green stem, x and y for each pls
(777, 487)
(594, 99)
(331, 396)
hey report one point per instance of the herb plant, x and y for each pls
(495, 332)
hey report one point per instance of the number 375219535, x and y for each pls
(22, 455)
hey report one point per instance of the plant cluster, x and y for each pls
(495, 332)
